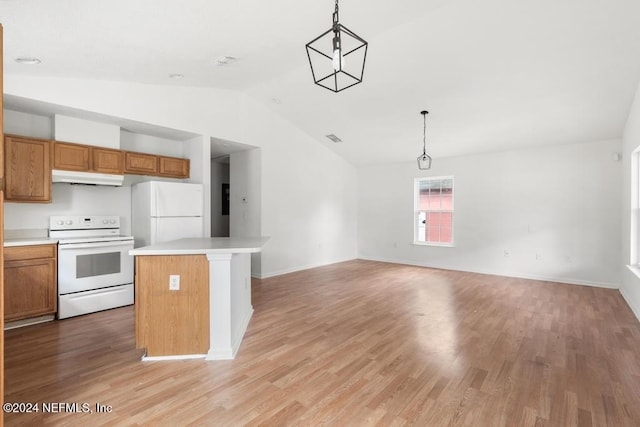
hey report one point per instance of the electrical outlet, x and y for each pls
(538, 256)
(174, 282)
(507, 254)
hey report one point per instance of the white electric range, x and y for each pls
(95, 270)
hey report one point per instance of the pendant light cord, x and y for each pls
(424, 131)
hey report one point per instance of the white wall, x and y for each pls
(562, 203)
(67, 198)
(308, 202)
(219, 222)
(81, 131)
(198, 110)
(150, 144)
(71, 199)
(198, 149)
(91, 200)
(245, 199)
(18, 123)
(630, 288)
(308, 197)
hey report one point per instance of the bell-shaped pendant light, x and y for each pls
(337, 57)
(424, 160)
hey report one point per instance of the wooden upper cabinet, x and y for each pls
(174, 167)
(87, 158)
(140, 163)
(31, 162)
(71, 157)
(27, 169)
(106, 160)
(150, 164)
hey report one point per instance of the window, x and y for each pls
(433, 217)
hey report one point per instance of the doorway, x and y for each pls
(220, 192)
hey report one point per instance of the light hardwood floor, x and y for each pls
(357, 343)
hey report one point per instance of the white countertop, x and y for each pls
(203, 246)
(29, 241)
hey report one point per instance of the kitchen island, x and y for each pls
(193, 296)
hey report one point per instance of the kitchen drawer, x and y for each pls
(18, 253)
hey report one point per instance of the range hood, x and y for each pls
(86, 132)
(89, 178)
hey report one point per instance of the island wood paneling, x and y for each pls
(355, 344)
(172, 322)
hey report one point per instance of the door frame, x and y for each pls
(1, 233)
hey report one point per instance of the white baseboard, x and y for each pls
(299, 268)
(229, 353)
(630, 302)
(28, 322)
(237, 340)
(176, 357)
(569, 281)
(581, 282)
(224, 354)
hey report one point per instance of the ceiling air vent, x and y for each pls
(225, 60)
(333, 138)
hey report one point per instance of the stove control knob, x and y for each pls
(113, 221)
(69, 222)
(60, 222)
(104, 221)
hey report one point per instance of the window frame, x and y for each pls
(634, 226)
(416, 211)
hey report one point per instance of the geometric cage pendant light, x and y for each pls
(337, 57)
(424, 160)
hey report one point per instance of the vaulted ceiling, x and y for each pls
(494, 75)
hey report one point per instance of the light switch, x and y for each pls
(174, 282)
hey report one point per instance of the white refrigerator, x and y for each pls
(163, 211)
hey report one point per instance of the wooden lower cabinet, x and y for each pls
(29, 281)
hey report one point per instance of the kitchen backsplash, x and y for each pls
(25, 233)
(71, 199)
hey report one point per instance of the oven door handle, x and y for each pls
(73, 246)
